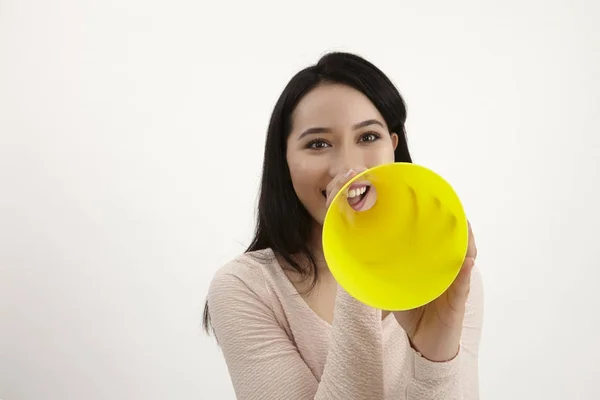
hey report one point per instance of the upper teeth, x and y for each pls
(356, 192)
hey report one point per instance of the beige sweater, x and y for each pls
(277, 348)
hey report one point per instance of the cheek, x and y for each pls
(381, 154)
(306, 173)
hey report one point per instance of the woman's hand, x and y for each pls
(435, 329)
(337, 183)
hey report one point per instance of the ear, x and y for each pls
(394, 137)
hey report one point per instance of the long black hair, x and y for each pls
(283, 224)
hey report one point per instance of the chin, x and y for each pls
(318, 218)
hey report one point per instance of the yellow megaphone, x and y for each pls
(407, 248)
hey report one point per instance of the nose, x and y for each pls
(345, 159)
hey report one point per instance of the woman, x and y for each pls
(286, 329)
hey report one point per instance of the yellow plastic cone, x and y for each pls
(405, 250)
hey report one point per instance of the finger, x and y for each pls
(337, 183)
(472, 246)
(464, 276)
(462, 284)
(458, 292)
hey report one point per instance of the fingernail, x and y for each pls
(350, 171)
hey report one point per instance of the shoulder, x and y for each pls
(241, 295)
(243, 276)
(247, 267)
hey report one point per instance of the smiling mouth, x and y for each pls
(355, 195)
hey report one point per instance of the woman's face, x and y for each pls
(334, 128)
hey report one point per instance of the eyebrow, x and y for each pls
(317, 130)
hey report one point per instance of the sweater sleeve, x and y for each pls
(264, 363)
(457, 379)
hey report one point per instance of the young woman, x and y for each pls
(286, 329)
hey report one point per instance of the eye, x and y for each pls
(369, 137)
(317, 144)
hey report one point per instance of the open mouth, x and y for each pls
(357, 194)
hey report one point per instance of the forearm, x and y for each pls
(354, 367)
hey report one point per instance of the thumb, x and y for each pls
(459, 290)
(464, 276)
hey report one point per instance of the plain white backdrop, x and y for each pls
(131, 140)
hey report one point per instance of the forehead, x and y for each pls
(333, 105)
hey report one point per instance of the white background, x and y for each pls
(131, 139)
